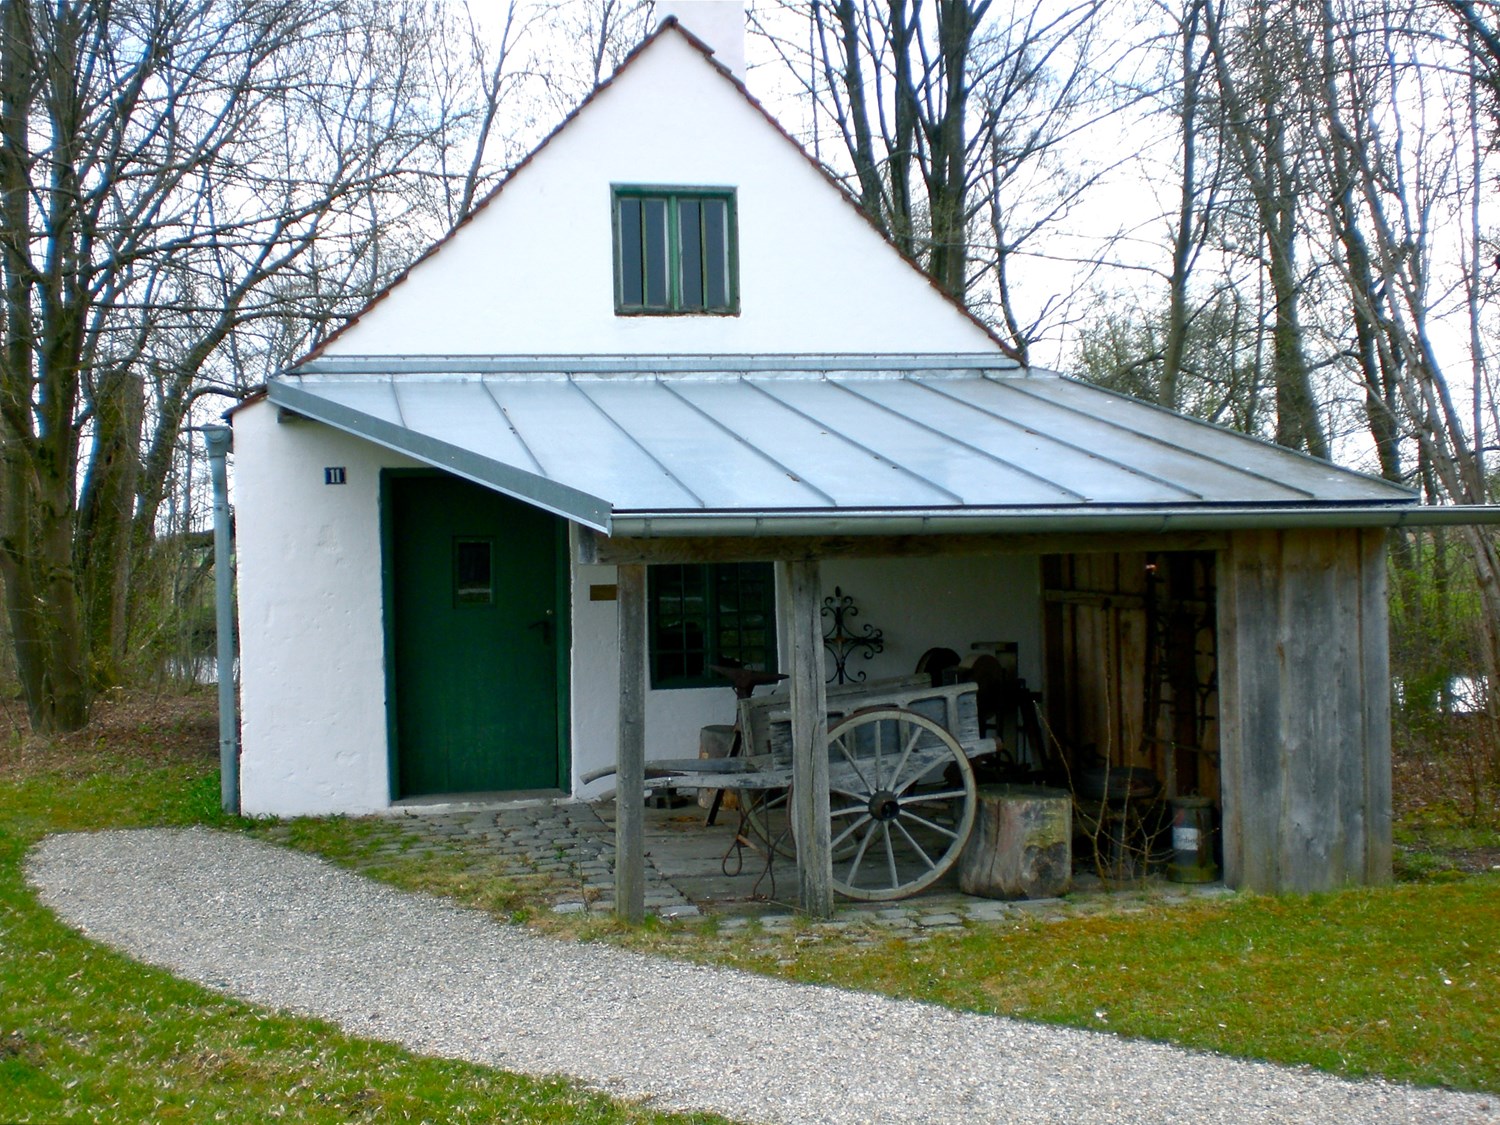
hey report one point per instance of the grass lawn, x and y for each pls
(1402, 982)
(87, 1035)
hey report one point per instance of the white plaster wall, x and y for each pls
(312, 675)
(718, 23)
(672, 717)
(917, 603)
(532, 272)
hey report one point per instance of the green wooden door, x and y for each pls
(476, 586)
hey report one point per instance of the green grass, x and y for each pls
(1430, 843)
(1399, 982)
(86, 1034)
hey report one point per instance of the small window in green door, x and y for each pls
(473, 576)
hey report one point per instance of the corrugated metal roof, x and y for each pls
(602, 440)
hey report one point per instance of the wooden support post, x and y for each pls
(1304, 686)
(630, 762)
(809, 739)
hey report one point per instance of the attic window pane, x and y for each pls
(654, 250)
(691, 235)
(630, 251)
(716, 253)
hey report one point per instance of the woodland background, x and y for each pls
(1278, 215)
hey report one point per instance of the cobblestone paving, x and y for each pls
(567, 842)
(571, 845)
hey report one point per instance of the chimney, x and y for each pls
(719, 23)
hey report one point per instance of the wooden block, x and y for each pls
(1021, 845)
(715, 741)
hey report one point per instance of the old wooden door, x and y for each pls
(475, 582)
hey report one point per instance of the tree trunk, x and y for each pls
(36, 509)
(1184, 237)
(106, 552)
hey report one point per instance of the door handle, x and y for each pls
(545, 625)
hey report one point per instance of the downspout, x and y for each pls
(219, 440)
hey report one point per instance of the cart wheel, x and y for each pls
(901, 795)
(768, 816)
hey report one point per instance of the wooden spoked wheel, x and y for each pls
(901, 803)
(768, 819)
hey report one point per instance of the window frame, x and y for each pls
(468, 595)
(673, 196)
(713, 624)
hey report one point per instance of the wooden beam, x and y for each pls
(630, 761)
(804, 602)
(1375, 668)
(596, 548)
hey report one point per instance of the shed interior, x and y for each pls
(1130, 707)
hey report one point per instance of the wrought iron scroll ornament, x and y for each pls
(843, 639)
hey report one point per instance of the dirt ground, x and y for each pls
(1445, 789)
(158, 727)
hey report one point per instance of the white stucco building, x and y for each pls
(670, 337)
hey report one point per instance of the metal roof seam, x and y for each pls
(979, 449)
(835, 432)
(635, 441)
(551, 495)
(396, 401)
(738, 444)
(761, 453)
(955, 364)
(1093, 455)
(514, 428)
(1315, 461)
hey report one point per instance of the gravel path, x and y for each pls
(283, 929)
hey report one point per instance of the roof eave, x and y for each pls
(1080, 519)
(549, 495)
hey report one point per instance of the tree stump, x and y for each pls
(1021, 845)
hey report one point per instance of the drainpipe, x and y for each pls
(219, 440)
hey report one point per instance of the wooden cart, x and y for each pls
(901, 790)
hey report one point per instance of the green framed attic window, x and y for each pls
(675, 251)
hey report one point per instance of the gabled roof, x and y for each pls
(719, 78)
(822, 443)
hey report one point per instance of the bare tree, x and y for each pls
(1254, 61)
(1218, 373)
(173, 173)
(1044, 89)
(1393, 178)
(603, 33)
(938, 107)
(1195, 200)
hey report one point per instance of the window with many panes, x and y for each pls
(675, 251)
(706, 614)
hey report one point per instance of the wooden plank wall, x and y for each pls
(1098, 676)
(1305, 719)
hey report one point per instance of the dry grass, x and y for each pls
(147, 728)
